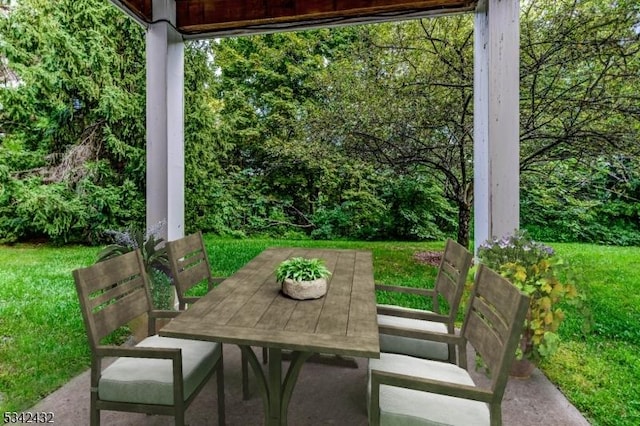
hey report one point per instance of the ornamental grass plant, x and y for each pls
(154, 256)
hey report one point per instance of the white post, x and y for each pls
(165, 122)
(496, 119)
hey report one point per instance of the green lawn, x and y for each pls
(42, 338)
(43, 343)
(600, 371)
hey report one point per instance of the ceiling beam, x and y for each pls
(217, 18)
(224, 17)
(139, 10)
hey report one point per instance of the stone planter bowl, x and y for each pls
(303, 290)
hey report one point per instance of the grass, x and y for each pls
(43, 343)
(42, 338)
(599, 371)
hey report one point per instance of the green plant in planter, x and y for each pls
(534, 268)
(301, 269)
(154, 256)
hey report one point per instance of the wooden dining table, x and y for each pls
(249, 309)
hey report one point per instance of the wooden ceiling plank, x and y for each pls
(245, 16)
(142, 8)
(227, 11)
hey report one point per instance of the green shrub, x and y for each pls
(417, 209)
(161, 289)
(330, 223)
(597, 202)
(45, 210)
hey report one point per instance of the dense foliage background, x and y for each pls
(362, 132)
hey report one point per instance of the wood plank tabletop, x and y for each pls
(248, 308)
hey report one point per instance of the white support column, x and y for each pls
(496, 119)
(165, 122)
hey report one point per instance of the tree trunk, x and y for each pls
(464, 221)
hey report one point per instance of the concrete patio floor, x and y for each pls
(324, 395)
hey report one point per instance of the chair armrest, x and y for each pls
(398, 311)
(421, 384)
(191, 299)
(429, 385)
(452, 339)
(403, 289)
(137, 352)
(424, 335)
(214, 281)
(155, 314)
(163, 314)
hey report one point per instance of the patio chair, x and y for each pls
(159, 375)
(407, 390)
(449, 286)
(189, 266)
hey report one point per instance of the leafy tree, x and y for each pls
(580, 73)
(402, 96)
(265, 87)
(580, 119)
(209, 205)
(402, 99)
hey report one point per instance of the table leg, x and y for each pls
(263, 388)
(297, 359)
(276, 394)
(244, 363)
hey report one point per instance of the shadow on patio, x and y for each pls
(324, 395)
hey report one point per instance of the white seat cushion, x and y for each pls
(415, 347)
(404, 407)
(150, 381)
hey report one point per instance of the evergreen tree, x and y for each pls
(72, 128)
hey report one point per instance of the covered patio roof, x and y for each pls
(216, 18)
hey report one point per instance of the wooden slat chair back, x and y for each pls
(493, 324)
(451, 279)
(449, 286)
(190, 266)
(154, 374)
(112, 293)
(420, 391)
